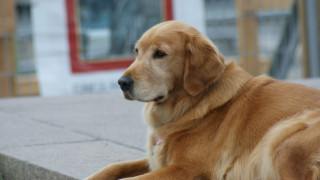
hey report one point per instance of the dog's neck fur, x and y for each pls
(188, 108)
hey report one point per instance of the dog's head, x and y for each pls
(171, 56)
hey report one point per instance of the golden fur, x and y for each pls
(215, 120)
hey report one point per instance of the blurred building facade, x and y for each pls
(65, 47)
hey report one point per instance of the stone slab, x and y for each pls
(15, 169)
(17, 131)
(77, 160)
(105, 116)
(68, 137)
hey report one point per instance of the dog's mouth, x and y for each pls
(129, 96)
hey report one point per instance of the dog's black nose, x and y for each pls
(125, 83)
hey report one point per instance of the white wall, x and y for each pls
(49, 23)
(190, 12)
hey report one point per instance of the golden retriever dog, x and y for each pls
(210, 119)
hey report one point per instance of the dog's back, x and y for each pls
(284, 122)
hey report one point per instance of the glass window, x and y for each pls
(102, 33)
(109, 28)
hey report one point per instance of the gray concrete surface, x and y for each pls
(71, 137)
(68, 137)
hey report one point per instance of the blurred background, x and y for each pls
(66, 47)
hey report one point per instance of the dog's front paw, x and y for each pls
(107, 173)
(99, 177)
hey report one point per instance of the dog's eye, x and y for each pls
(159, 54)
(136, 50)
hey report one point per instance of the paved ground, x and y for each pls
(71, 137)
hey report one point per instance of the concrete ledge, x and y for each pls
(68, 137)
(12, 168)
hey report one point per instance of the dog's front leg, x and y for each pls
(167, 173)
(121, 170)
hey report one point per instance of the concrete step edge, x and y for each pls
(16, 169)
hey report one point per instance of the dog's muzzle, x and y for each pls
(125, 83)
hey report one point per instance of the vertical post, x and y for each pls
(7, 30)
(313, 32)
(248, 36)
(304, 38)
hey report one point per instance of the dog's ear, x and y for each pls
(204, 64)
